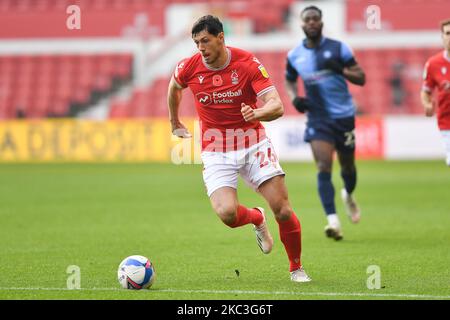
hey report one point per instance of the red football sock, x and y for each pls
(291, 237)
(245, 216)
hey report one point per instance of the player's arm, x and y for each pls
(174, 95)
(427, 102)
(347, 66)
(355, 74)
(271, 110)
(350, 71)
(426, 96)
(291, 88)
(302, 104)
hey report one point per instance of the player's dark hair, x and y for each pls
(444, 23)
(311, 8)
(209, 23)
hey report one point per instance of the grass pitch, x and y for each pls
(94, 215)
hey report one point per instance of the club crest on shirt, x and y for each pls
(217, 80)
(200, 79)
(263, 71)
(234, 77)
(444, 70)
(327, 54)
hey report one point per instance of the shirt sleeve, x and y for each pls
(261, 82)
(291, 74)
(347, 55)
(428, 82)
(179, 74)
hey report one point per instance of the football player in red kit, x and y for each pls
(437, 77)
(226, 83)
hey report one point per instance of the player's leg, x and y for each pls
(275, 192)
(323, 152)
(348, 170)
(263, 173)
(224, 202)
(349, 176)
(345, 147)
(226, 205)
(221, 178)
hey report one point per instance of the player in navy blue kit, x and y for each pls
(324, 65)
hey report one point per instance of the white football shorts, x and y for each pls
(446, 137)
(256, 165)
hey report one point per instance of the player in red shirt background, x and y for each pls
(437, 77)
(226, 83)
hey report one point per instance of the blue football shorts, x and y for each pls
(339, 132)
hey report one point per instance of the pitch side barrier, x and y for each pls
(150, 140)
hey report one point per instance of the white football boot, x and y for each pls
(300, 275)
(351, 207)
(263, 237)
(333, 228)
(334, 231)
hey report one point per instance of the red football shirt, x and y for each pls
(437, 76)
(218, 95)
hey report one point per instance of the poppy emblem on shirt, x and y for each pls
(217, 80)
(204, 98)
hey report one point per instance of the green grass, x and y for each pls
(94, 215)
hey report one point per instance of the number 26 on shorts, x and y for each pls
(265, 158)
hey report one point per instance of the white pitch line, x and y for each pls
(287, 293)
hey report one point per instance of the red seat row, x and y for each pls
(47, 85)
(266, 15)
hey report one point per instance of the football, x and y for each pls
(136, 272)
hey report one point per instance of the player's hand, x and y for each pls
(334, 66)
(248, 112)
(302, 104)
(179, 130)
(429, 110)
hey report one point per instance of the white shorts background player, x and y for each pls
(226, 84)
(446, 137)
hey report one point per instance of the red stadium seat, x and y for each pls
(59, 107)
(102, 83)
(80, 95)
(106, 64)
(119, 109)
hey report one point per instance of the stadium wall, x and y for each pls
(149, 140)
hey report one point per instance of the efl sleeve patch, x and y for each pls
(263, 71)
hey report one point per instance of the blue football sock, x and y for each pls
(349, 181)
(326, 192)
